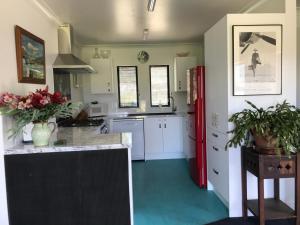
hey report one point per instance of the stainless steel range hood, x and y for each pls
(66, 62)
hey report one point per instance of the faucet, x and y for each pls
(174, 108)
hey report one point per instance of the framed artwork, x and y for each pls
(30, 52)
(257, 60)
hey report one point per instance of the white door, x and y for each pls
(153, 136)
(173, 134)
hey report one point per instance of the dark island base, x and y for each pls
(252, 221)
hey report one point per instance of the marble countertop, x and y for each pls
(76, 139)
(143, 115)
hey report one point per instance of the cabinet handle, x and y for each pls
(216, 149)
(159, 125)
(108, 90)
(215, 135)
(165, 125)
(108, 84)
(215, 171)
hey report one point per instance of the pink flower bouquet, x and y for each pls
(37, 106)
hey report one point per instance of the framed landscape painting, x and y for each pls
(30, 52)
(257, 60)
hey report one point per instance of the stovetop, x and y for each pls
(81, 123)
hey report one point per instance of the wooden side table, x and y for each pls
(270, 167)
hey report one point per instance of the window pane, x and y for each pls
(127, 78)
(159, 76)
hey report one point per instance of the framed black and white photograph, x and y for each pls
(257, 60)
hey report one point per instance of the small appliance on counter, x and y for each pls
(96, 108)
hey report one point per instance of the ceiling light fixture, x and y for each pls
(145, 34)
(151, 5)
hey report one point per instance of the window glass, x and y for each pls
(128, 87)
(159, 85)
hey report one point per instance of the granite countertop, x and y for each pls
(143, 115)
(76, 139)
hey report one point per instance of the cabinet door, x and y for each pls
(182, 64)
(105, 187)
(101, 81)
(153, 136)
(173, 134)
(43, 189)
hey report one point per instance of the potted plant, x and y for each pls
(275, 129)
(37, 107)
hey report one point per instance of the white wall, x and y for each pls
(223, 40)
(288, 92)
(268, 6)
(127, 55)
(27, 15)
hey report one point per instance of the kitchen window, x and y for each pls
(159, 86)
(128, 87)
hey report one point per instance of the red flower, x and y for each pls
(36, 99)
(57, 98)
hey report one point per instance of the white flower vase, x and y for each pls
(41, 133)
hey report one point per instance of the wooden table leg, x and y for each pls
(261, 205)
(276, 189)
(244, 187)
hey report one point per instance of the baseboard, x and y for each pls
(164, 156)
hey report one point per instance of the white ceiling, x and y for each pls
(123, 21)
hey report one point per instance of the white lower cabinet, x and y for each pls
(217, 164)
(163, 137)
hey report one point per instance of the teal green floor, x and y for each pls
(164, 194)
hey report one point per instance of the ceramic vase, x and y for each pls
(41, 133)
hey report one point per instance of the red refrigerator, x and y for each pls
(196, 125)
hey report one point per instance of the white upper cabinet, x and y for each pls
(181, 65)
(102, 80)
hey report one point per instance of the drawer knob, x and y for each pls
(215, 135)
(215, 171)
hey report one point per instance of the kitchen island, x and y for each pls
(82, 177)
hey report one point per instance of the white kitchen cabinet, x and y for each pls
(173, 134)
(136, 127)
(163, 137)
(181, 65)
(153, 136)
(102, 80)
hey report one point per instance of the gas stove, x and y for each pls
(81, 123)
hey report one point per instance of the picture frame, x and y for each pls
(30, 55)
(257, 59)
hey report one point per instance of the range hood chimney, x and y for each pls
(66, 62)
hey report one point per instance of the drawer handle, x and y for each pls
(216, 149)
(215, 135)
(215, 171)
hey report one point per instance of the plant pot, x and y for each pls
(266, 144)
(41, 133)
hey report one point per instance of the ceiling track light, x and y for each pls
(151, 5)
